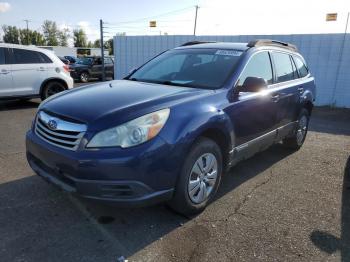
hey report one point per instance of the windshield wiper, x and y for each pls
(174, 83)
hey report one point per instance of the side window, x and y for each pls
(301, 67)
(283, 65)
(258, 66)
(108, 61)
(22, 56)
(98, 61)
(2, 56)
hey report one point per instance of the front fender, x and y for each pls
(184, 128)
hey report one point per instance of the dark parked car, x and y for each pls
(65, 61)
(172, 127)
(71, 59)
(91, 67)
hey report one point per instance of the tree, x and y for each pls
(90, 44)
(11, 34)
(80, 39)
(109, 46)
(51, 33)
(37, 38)
(63, 36)
(31, 37)
(97, 43)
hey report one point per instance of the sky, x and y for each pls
(215, 17)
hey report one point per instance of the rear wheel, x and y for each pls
(52, 88)
(84, 77)
(199, 179)
(297, 139)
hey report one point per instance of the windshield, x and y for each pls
(202, 68)
(84, 61)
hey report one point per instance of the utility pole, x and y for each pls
(102, 51)
(340, 60)
(195, 20)
(27, 21)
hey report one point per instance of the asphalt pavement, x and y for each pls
(279, 205)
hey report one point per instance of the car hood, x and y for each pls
(117, 101)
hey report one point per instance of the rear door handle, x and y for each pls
(300, 90)
(4, 71)
(41, 69)
(275, 97)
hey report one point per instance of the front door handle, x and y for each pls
(4, 71)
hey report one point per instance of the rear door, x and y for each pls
(109, 66)
(285, 89)
(96, 69)
(29, 70)
(6, 82)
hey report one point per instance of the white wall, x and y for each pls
(330, 67)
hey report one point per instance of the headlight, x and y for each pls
(133, 132)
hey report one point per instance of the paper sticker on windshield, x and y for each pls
(229, 52)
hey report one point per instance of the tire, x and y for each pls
(52, 88)
(297, 139)
(84, 77)
(189, 202)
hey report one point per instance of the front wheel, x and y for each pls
(199, 179)
(297, 139)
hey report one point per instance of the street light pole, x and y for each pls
(102, 51)
(340, 60)
(195, 20)
(27, 21)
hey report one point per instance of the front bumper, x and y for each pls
(135, 177)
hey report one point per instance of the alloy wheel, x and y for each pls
(54, 89)
(202, 178)
(302, 129)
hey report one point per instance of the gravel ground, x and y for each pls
(277, 206)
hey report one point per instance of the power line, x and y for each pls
(149, 17)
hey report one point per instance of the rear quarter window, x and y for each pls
(44, 58)
(301, 67)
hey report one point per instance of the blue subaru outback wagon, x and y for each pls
(170, 129)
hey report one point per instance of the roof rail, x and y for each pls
(268, 42)
(196, 43)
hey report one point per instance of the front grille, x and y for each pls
(60, 133)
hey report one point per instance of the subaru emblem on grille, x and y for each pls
(52, 124)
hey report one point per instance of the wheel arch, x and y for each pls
(308, 105)
(52, 79)
(221, 139)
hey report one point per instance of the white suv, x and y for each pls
(28, 72)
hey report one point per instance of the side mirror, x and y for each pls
(252, 84)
